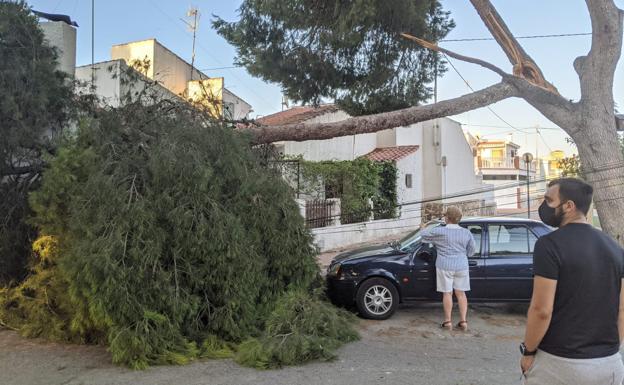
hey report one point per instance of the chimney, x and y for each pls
(62, 36)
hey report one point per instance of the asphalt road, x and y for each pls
(409, 348)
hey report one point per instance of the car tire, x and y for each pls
(377, 298)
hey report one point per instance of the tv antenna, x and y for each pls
(193, 15)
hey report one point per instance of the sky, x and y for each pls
(118, 21)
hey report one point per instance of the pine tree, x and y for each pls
(345, 50)
(172, 241)
(34, 99)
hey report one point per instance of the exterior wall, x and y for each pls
(62, 36)
(107, 84)
(173, 72)
(409, 165)
(342, 148)
(109, 87)
(387, 138)
(236, 107)
(140, 50)
(328, 238)
(432, 158)
(459, 174)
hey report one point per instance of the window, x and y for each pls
(511, 239)
(408, 180)
(477, 234)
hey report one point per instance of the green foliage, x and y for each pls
(385, 203)
(301, 328)
(40, 306)
(34, 104)
(355, 182)
(349, 51)
(572, 166)
(171, 241)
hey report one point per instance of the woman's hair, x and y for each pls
(454, 214)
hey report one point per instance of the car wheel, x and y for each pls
(377, 298)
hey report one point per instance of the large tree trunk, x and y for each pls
(603, 168)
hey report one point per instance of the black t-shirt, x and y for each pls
(588, 266)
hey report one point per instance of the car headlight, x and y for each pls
(334, 270)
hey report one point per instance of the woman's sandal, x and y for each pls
(447, 325)
(463, 325)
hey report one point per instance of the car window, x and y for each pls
(477, 234)
(411, 239)
(511, 239)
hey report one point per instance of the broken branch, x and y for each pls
(372, 123)
(435, 47)
(523, 64)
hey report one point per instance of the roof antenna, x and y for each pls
(194, 14)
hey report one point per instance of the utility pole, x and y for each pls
(92, 43)
(435, 80)
(528, 158)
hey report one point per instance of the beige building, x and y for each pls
(175, 74)
(175, 78)
(501, 165)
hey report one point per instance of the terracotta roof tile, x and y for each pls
(296, 115)
(391, 153)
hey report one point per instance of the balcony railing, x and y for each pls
(497, 163)
(508, 163)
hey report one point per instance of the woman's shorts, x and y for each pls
(447, 281)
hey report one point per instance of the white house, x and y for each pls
(433, 158)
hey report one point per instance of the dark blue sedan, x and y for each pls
(376, 279)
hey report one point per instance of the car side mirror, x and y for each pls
(425, 255)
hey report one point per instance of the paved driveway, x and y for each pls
(409, 348)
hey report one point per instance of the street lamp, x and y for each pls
(528, 158)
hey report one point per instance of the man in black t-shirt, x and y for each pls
(576, 318)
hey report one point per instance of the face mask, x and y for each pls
(549, 215)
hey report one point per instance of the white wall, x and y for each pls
(62, 36)
(328, 238)
(409, 165)
(342, 148)
(108, 87)
(459, 173)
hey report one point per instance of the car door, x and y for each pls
(476, 263)
(509, 263)
(424, 273)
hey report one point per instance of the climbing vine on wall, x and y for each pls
(357, 183)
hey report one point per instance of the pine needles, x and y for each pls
(165, 238)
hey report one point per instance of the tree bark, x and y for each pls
(373, 123)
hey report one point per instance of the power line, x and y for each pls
(473, 90)
(518, 37)
(605, 167)
(220, 68)
(209, 53)
(520, 128)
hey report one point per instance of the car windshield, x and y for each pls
(410, 240)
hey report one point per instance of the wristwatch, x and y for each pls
(525, 351)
